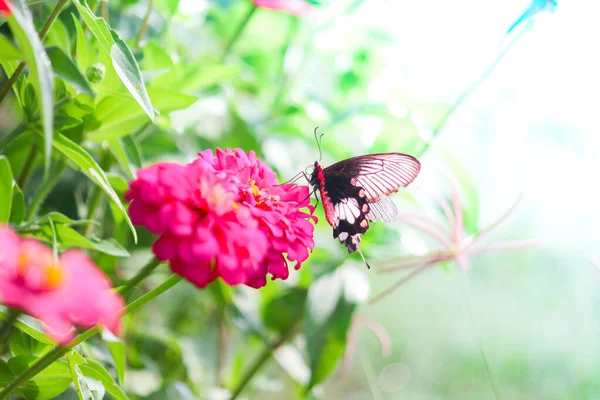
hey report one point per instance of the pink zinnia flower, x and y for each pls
(63, 293)
(298, 8)
(225, 216)
(4, 8)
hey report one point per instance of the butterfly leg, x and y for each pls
(296, 177)
(362, 256)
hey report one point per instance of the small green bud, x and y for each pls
(95, 73)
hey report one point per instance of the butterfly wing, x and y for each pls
(358, 188)
(379, 175)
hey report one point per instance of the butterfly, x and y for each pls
(355, 191)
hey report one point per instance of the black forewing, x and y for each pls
(378, 174)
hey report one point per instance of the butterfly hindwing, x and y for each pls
(351, 208)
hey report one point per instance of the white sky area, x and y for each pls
(532, 126)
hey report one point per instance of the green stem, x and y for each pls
(144, 26)
(467, 293)
(59, 351)
(7, 139)
(139, 277)
(467, 92)
(44, 190)
(259, 362)
(238, 31)
(27, 167)
(6, 328)
(11, 81)
(157, 291)
(13, 78)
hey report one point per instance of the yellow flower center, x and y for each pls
(260, 195)
(48, 271)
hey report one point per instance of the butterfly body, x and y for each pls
(354, 192)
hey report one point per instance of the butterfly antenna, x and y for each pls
(363, 257)
(318, 139)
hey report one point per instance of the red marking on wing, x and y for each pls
(327, 204)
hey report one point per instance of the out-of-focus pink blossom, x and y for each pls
(63, 293)
(223, 215)
(299, 8)
(454, 245)
(4, 8)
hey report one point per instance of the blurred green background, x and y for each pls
(377, 76)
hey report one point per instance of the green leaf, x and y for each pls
(22, 344)
(69, 238)
(6, 374)
(87, 388)
(6, 189)
(282, 312)
(92, 170)
(169, 5)
(129, 71)
(117, 350)
(122, 59)
(121, 116)
(58, 36)
(92, 369)
(8, 51)
(63, 219)
(84, 54)
(326, 341)
(17, 212)
(155, 57)
(26, 324)
(118, 151)
(66, 69)
(190, 78)
(48, 384)
(133, 150)
(40, 70)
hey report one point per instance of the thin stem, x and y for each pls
(59, 351)
(223, 336)
(6, 328)
(13, 78)
(485, 232)
(139, 277)
(144, 26)
(467, 92)
(467, 294)
(405, 263)
(44, 190)
(11, 81)
(27, 167)
(238, 31)
(417, 222)
(7, 139)
(154, 293)
(258, 363)
(401, 282)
